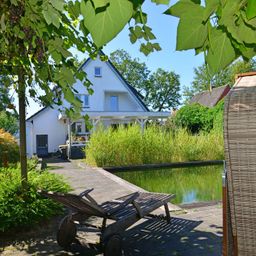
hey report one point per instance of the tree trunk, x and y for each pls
(22, 123)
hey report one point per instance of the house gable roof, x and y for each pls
(37, 113)
(210, 98)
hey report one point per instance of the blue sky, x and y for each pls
(164, 27)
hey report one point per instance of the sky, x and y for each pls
(164, 27)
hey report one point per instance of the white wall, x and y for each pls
(46, 122)
(108, 84)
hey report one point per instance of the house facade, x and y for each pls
(114, 101)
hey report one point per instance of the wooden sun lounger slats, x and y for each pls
(125, 211)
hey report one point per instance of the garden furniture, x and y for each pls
(240, 154)
(117, 215)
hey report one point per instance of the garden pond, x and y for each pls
(190, 185)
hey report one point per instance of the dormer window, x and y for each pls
(97, 71)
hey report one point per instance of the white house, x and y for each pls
(114, 101)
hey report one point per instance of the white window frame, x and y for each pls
(117, 103)
(88, 102)
(98, 74)
(81, 97)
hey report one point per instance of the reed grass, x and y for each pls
(129, 146)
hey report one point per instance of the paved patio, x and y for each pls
(196, 231)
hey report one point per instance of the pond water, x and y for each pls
(196, 184)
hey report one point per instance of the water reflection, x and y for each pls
(195, 184)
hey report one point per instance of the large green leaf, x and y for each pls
(221, 52)
(3, 26)
(228, 11)
(58, 4)
(100, 3)
(246, 33)
(210, 6)
(161, 1)
(191, 36)
(240, 31)
(251, 9)
(51, 16)
(186, 9)
(105, 25)
(248, 53)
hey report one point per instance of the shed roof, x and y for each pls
(245, 80)
(211, 98)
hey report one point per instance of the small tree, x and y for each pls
(164, 90)
(36, 38)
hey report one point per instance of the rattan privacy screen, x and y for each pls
(240, 154)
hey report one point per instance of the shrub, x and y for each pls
(9, 149)
(196, 118)
(217, 113)
(128, 146)
(20, 208)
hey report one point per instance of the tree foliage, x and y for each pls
(223, 29)
(164, 93)
(202, 81)
(36, 38)
(35, 43)
(160, 90)
(8, 122)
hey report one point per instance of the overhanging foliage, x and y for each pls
(223, 29)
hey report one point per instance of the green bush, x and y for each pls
(217, 113)
(196, 118)
(128, 146)
(20, 208)
(9, 150)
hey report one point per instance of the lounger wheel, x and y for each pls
(66, 232)
(113, 246)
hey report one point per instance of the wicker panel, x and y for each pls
(240, 153)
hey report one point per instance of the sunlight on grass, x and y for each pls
(128, 146)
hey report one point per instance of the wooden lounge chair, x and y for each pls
(123, 212)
